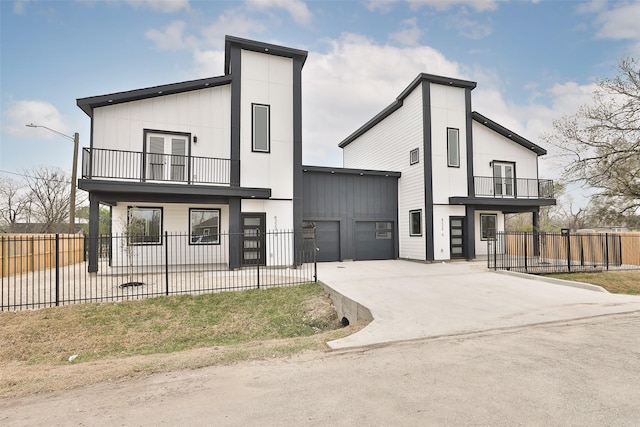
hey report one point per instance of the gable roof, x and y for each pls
(88, 104)
(261, 47)
(508, 134)
(422, 77)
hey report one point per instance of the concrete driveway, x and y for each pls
(409, 300)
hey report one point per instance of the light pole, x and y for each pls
(74, 172)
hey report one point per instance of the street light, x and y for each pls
(74, 172)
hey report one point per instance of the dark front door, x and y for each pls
(253, 238)
(456, 236)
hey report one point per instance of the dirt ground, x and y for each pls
(584, 372)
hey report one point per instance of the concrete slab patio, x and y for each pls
(410, 300)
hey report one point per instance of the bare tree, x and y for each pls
(14, 204)
(49, 193)
(602, 140)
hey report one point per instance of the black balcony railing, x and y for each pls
(99, 163)
(514, 188)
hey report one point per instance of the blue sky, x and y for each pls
(533, 60)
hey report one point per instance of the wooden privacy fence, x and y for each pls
(21, 253)
(548, 252)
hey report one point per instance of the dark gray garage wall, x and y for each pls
(349, 196)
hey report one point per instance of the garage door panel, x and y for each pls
(374, 240)
(328, 241)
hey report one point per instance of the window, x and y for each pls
(204, 226)
(488, 226)
(144, 225)
(453, 147)
(414, 156)
(261, 128)
(415, 223)
(383, 231)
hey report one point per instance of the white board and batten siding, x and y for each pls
(489, 146)
(268, 80)
(175, 220)
(205, 113)
(448, 110)
(386, 147)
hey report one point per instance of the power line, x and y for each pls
(33, 177)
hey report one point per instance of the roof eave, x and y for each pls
(508, 133)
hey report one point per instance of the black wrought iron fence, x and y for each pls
(38, 271)
(563, 252)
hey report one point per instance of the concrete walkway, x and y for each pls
(410, 300)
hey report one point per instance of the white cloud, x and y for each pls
(164, 6)
(297, 9)
(469, 28)
(620, 23)
(18, 6)
(408, 36)
(230, 22)
(478, 5)
(171, 37)
(21, 113)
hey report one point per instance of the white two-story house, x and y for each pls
(207, 157)
(218, 158)
(460, 171)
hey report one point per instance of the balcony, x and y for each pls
(512, 188)
(98, 163)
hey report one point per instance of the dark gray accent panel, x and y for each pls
(328, 241)
(349, 197)
(470, 232)
(235, 230)
(500, 203)
(428, 176)
(469, 129)
(297, 157)
(368, 246)
(508, 134)
(94, 223)
(178, 193)
(235, 57)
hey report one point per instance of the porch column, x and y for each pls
(470, 232)
(235, 234)
(94, 224)
(536, 232)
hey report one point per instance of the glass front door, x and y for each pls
(456, 236)
(253, 238)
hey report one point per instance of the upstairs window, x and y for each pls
(261, 128)
(453, 148)
(414, 156)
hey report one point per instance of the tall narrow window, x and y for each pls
(261, 128)
(453, 147)
(414, 156)
(488, 224)
(415, 223)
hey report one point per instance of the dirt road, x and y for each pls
(580, 373)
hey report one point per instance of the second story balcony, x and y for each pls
(99, 163)
(512, 188)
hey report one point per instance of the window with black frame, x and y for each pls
(204, 226)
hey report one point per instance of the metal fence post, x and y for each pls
(569, 251)
(315, 258)
(258, 257)
(526, 237)
(166, 262)
(57, 269)
(606, 250)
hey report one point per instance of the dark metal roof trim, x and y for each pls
(508, 134)
(429, 78)
(93, 185)
(345, 171)
(88, 104)
(502, 203)
(261, 47)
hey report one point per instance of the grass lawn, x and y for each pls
(131, 338)
(618, 282)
